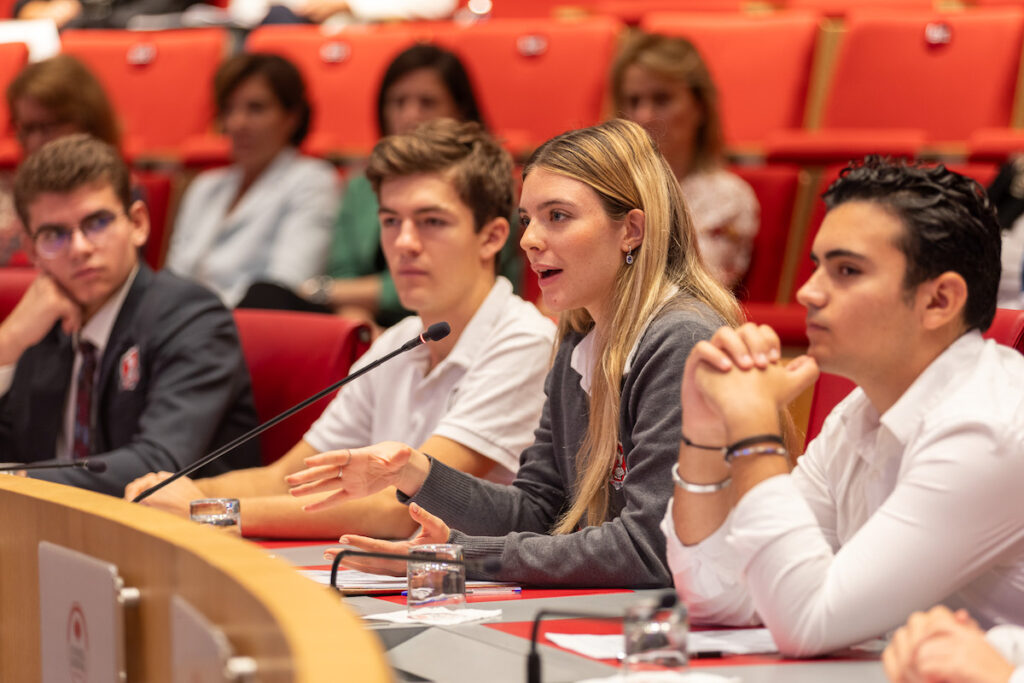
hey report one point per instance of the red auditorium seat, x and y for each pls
(910, 79)
(157, 189)
(776, 188)
(753, 101)
(342, 73)
(292, 356)
(1007, 328)
(634, 11)
(13, 56)
(838, 8)
(511, 63)
(995, 144)
(161, 82)
(537, 80)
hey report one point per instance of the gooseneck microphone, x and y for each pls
(435, 332)
(667, 600)
(96, 466)
(487, 565)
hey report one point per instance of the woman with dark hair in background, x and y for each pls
(663, 84)
(423, 83)
(266, 219)
(47, 100)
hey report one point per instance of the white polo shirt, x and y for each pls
(487, 394)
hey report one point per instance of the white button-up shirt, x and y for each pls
(883, 515)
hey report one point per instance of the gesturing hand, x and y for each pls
(432, 530)
(358, 472)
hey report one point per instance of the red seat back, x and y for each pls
(13, 57)
(160, 82)
(291, 356)
(753, 101)
(510, 62)
(776, 188)
(157, 189)
(923, 69)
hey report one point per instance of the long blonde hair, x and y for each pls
(618, 160)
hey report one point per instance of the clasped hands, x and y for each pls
(735, 384)
(941, 646)
(353, 473)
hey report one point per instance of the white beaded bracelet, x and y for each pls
(697, 488)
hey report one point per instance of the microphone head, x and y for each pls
(97, 466)
(436, 332)
(668, 599)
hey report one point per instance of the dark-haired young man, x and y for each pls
(102, 356)
(910, 494)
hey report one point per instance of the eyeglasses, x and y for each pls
(52, 241)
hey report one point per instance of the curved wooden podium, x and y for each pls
(293, 628)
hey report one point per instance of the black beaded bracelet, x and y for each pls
(721, 449)
(754, 440)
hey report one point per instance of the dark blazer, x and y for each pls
(172, 386)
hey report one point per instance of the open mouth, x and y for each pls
(549, 273)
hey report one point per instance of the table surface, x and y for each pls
(496, 650)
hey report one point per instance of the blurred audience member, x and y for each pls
(663, 84)
(47, 100)
(95, 13)
(422, 84)
(266, 219)
(1007, 195)
(253, 12)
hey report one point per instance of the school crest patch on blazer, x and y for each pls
(129, 367)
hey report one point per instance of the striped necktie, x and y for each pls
(83, 401)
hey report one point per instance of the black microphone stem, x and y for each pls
(430, 334)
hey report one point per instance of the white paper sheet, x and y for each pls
(730, 641)
(436, 616)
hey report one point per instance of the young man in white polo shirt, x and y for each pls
(472, 399)
(910, 494)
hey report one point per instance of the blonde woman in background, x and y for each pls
(607, 232)
(663, 84)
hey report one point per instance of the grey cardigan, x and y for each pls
(509, 525)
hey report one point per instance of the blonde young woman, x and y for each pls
(606, 230)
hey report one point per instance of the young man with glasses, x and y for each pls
(102, 356)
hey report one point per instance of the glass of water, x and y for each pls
(219, 512)
(655, 638)
(434, 582)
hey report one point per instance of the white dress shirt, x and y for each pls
(487, 393)
(1009, 641)
(882, 515)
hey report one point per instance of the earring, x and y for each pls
(629, 257)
